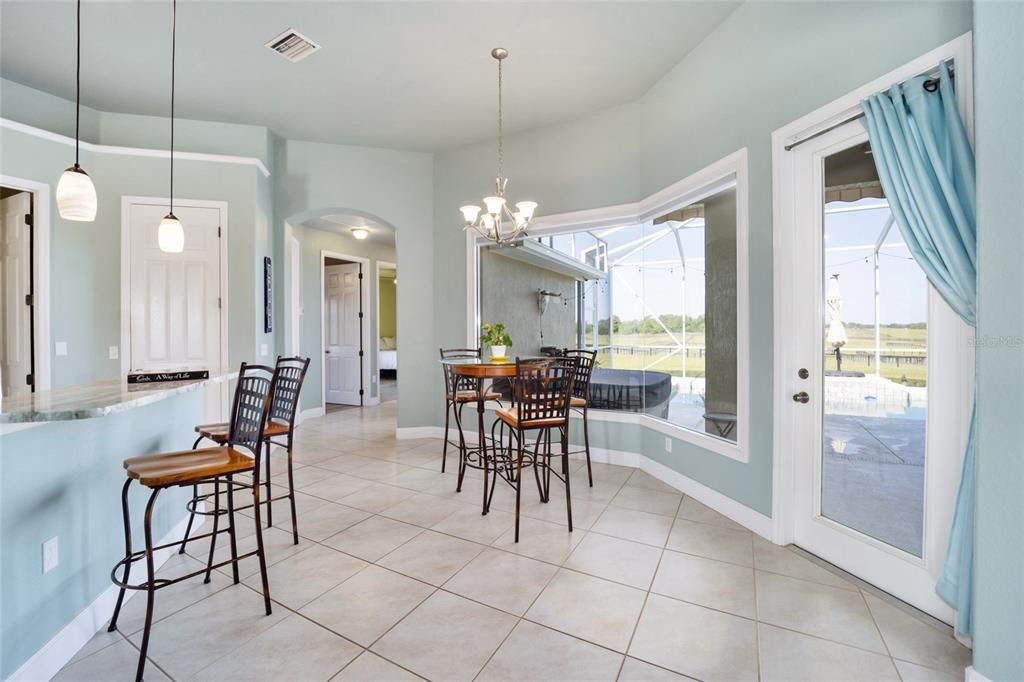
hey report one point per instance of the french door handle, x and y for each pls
(801, 397)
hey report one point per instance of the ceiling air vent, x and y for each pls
(292, 45)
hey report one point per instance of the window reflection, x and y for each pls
(662, 317)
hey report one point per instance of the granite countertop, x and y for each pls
(96, 399)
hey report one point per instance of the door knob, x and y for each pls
(801, 397)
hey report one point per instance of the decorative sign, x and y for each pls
(172, 375)
(268, 295)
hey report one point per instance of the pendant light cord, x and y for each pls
(78, 77)
(174, 28)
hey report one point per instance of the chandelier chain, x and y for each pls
(501, 158)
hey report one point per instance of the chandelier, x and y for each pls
(499, 223)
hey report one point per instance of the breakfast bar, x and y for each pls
(61, 455)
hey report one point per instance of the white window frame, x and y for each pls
(784, 202)
(731, 171)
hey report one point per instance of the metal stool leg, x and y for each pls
(216, 523)
(565, 472)
(127, 553)
(260, 552)
(444, 449)
(150, 585)
(291, 492)
(270, 503)
(231, 527)
(519, 478)
(586, 444)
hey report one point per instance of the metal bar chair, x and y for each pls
(249, 412)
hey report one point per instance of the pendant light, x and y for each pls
(171, 235)
(76, 196)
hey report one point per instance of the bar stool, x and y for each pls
(290, 373)
(249, 412)
(585, 360)
(458, 391)
(541, 393)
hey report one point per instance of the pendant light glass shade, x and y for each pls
(171, 235)
(76, 195)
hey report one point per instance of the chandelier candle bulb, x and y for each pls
(494, 205)
(526, 208)
(470, 213)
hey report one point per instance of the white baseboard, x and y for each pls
(723, 504)
(972, 675)
(56, 653)
(311, 413)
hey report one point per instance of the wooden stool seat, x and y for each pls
(470, 396)
(510, 415)
(219, 433)
(187, 466)
(578, 402)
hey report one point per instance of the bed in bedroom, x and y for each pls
(387, 357)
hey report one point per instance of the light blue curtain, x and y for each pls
(926, 167)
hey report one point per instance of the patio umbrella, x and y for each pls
(836, 331)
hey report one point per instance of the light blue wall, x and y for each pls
(764, 66)
(65, 480)
(312, 242)
(396, 188)
(999, 142)
(86, 257)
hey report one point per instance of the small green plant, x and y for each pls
(494, 335)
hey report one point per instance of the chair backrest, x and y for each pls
(290, 374)
(453, 382)
(250, 407)
(542, 390)
(585, 360)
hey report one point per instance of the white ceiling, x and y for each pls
(380, 234)
(414, 75)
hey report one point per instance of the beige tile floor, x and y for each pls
(398, 577)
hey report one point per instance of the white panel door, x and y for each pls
(175, 297)
(15, 261)
(342, 340)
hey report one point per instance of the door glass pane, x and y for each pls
(874, 334)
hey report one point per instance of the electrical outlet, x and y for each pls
(60, 348)
(263, 349)
(373, 378)
(51, 555)
(668, 444)
(112, 352)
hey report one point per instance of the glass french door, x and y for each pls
(882, 381)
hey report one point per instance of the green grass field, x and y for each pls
(893, 339)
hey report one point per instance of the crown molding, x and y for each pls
(133, 151)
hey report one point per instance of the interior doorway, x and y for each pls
(25, 347)
(344, 329)
(387, 331)
(17, 353)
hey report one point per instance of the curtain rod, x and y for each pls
(931, 85)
